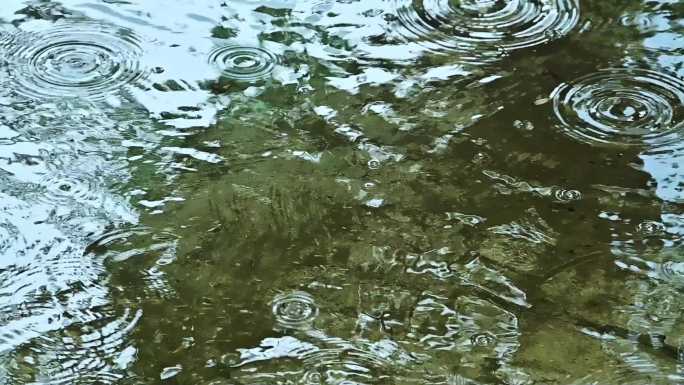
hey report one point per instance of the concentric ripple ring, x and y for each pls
(295, 310)
(628, 107)
(485, 28)
(243, 63)
(74, 59)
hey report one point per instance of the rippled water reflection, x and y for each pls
(73, 59)
(243, 63)
(623, 107)
(485, 29)
(341, 192)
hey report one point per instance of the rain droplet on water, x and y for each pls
(246, 64)
(374, 164)
(650, 228)
(563, 195)
(483, 339)
(484, 30)
(295, 310)
(74, 59)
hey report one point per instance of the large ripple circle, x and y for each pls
(75, 59)
(243, 63)
(629, 107)
(485, 27)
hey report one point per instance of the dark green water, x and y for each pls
(341, 192)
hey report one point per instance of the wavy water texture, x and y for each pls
(58, 323)
(477, 329)
(323, 361)
(341, 192)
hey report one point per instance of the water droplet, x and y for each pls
(296, 310)
(480, 158)
(373, 164)
(523, 125)
(650, 228)
(63, 187)
(483, 339)
(563, 195)
(246, 64)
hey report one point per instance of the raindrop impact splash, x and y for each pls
(245, 64)
(483, 339)
(624, 107)
(75, 59)
(296, 310)
(63, 188)
(482, 29)
(650, 228)
(564, 196)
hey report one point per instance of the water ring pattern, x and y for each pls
(483, 339)
(74, 59)
(650, 228)
(63, 188)
(485, 28)
(564, 196)
(628, 107)
(246, 64)
(295, 310)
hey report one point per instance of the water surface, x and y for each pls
(341, 192)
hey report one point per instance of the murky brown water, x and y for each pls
(286, 192)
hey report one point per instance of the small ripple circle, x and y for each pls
(75, 59)
(243, 63)
(650, 228)
(295, 310)
(483, 339)
(628, 107)
(563, 195)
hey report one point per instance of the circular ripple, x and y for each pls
(75, 59)
(484, 28)
(483, 339)
(564, 196)
(361, 361)
(650, 228)
(243, 63)
(629, 107)
(62, 188)
(96, 350)
(296, 310)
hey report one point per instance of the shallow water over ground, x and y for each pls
(341, 192)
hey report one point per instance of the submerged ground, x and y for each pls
(248, 192)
